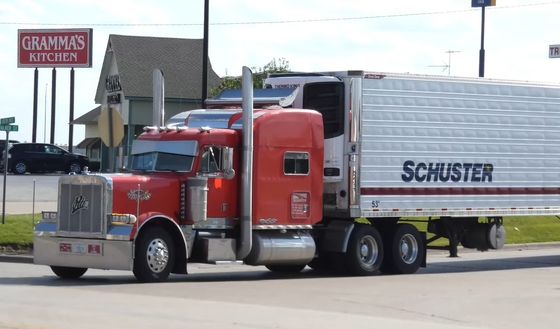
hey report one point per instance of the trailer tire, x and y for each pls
(364, 253)
(64, 272)
(404, 250)
(155, 255)
(286, 268)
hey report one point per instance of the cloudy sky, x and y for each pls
(313, 35)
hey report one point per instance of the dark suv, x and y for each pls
(38, 157)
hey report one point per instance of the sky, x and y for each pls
(401, 36)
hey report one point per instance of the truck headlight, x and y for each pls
(122, 219)
(49, 216)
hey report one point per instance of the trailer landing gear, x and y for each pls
(470, 232)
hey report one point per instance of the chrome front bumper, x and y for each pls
(87, 253)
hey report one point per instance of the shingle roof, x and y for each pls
(179, 59)
(88, 118)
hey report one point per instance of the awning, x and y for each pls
(89, 142)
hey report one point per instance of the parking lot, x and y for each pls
(20, 192)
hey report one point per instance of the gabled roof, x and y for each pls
(136, 57)
(88, 118)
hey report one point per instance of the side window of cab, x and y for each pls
(217, 161)
(211, 160)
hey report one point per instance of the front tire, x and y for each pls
(364, 253)
(155, 255)
(64, 272)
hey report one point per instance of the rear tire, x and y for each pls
(364, 253)
(404, 251)
(286, 268)
(64, 272)
(75, 168)
(155, 255)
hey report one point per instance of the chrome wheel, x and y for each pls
(369, 250)
(157, 255)
(408, 247)
(20, 168)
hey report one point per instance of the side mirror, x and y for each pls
(227, 161)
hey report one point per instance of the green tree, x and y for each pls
(280, 65)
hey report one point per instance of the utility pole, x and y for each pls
(205, 56)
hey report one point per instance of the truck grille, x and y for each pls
(82, 205)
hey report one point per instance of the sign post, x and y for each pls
(483, 4)
(111, 130)
(7, 126)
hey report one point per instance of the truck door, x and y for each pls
(221, 190)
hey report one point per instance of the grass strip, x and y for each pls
(17, 232)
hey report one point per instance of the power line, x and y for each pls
(295, 21)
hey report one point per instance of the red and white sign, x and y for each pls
(55, 48)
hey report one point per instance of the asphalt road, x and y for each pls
(20, 196)
(504, 290)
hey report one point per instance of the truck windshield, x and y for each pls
(150, 155)
(160, 161)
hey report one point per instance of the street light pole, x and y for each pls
(481, 55)
(483, 4)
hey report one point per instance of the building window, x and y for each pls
(296, 163)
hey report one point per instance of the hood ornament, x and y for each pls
(139, 195)
(79, 203)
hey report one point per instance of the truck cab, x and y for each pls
(181, 199)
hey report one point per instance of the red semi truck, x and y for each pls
(328, 172)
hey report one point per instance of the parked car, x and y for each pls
(40, 157)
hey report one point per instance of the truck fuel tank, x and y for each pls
(281, 248)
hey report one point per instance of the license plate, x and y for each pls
(79, 248)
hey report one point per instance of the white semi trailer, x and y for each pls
(463, 152)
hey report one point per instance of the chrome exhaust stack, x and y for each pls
(246, 227)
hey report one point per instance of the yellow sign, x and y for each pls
(111, 127)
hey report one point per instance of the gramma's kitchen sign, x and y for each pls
(55, 48)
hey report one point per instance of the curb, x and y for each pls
(22, 259)
(28, 258)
